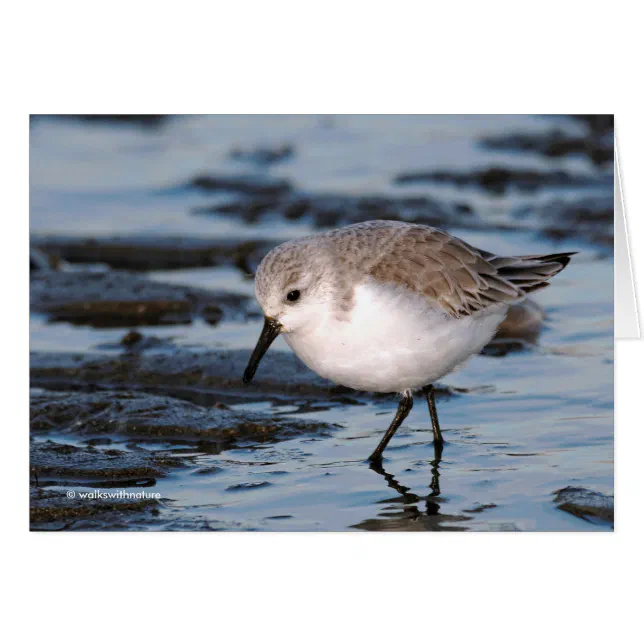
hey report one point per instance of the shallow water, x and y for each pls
(523, 426)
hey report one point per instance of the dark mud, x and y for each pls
(148, 252)
(589, 219)
(556, 144)
(135, 342)
(119, 299)
(598, 124)
(328, 210)
(58, 463)
(263, 156)
(143, 416)
(586, 504)
(499, 180)
(54, 510)
(252, 185)
(110, 440)
(144, 120)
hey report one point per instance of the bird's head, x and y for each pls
(293, 288)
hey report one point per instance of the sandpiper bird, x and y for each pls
(388, 306)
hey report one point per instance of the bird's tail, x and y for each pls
(530, 272)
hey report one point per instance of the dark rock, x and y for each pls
(498, 180)
(119, 299)
(149, 252)
(144, 416)
(263, 156)
(586, 504)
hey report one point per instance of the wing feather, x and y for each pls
(458, 278)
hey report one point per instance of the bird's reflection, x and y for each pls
(411, 512)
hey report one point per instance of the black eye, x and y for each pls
(293, 296)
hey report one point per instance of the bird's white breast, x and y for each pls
(393, 340)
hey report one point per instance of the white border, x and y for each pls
(331, 57)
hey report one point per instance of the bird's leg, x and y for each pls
(431, 403)
(404, 407)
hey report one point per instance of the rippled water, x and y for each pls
(526, 424)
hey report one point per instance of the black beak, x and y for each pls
(271, 330)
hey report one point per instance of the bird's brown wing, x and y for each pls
(453, 275)
(447, 271)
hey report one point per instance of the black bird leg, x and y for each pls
(404, 407)
(431, 403)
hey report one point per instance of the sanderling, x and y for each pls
(387, 306)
